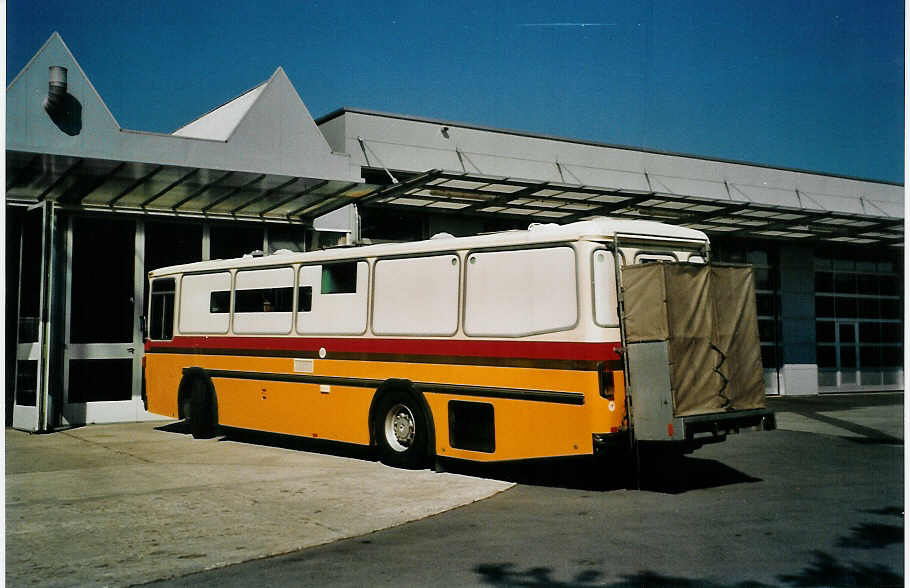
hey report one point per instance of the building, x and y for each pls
(92, 207)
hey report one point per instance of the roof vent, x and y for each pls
(543, 226)
(443, 236)
(56, 90)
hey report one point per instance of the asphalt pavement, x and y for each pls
(820, 500)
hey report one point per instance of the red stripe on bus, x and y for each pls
(450, 347)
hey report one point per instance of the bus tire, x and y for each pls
(202, 410)
(400, 430)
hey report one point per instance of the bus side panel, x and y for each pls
(162, 380)
(522, 429)
(338, 413)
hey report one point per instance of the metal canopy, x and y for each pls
(129, 186)
(469, 193)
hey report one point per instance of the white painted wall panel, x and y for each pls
(683, 186)
(416, 296)
(195, 297)
(334, 314)
(516, 293)
(263, 322)
(418, 145)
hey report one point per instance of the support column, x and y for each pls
(799, 373)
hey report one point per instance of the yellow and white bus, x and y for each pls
(494, 347)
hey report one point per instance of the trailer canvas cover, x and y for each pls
(707, 316)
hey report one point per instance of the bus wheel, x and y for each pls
(401, 431)
(201, 413)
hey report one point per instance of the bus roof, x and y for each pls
(597, 229)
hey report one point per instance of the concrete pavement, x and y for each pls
(114, 505)
(130, 503)
(876, 416)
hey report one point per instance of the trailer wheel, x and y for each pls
(201, 414)
(400, 429)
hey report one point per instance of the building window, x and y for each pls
(234, 240)
(859, 320)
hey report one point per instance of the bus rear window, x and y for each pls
(161, 311)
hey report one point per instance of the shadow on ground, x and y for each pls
(578, 473)
(291, 442)
(597, 473)
(824, 570)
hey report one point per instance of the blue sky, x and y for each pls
(809, 85)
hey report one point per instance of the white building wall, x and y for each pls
(416, 145)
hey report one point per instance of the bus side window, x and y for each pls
(220, 302)
(304, 298)
(652, 257)
(161, 314)
(605, 314)
(339, 278)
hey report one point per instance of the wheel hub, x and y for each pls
(400, 427)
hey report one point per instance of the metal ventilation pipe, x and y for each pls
(56, 89)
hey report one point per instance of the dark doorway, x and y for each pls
(229, 241)
(99, 356)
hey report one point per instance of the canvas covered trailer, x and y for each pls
(692, 353)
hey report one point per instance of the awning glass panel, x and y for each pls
(130, 186)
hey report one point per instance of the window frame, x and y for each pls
(172, 294)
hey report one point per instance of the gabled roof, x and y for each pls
(218, 124)
(260, 156)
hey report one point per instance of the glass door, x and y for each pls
(102, 357)
(848, 353)
(29, 396)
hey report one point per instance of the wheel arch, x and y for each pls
(407, 386)
(185, 390)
